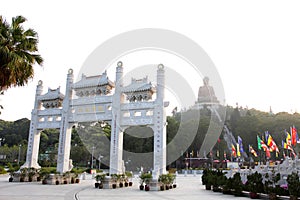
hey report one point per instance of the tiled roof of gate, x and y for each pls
(138, 85)
(52, 94)
(93, 81)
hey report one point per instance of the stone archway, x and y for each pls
(130, 105)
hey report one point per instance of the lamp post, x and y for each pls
(191, 160)
(92, 163)
(19, 154)
(100, 160)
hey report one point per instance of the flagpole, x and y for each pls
(259, 156)
(250, 154)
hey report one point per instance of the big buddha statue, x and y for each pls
(206, 94)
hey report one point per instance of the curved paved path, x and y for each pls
(188, 188)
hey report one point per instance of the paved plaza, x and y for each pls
(189, 187)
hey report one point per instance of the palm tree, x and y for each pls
(18, 53)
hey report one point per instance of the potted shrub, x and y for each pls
(162, 179)
(129, 178)
(227, 185)
(98, 178)
(11, 173)
(23, 174)
(145, 178)
(76, 172)
(31, 174)
(66, 177)
(121, 178)
(237, 184)
(44, 174)
(206, 178)
(114, 178)
(271, 187)
(174, 181)
(255, 184)
(126, 183)
(72, 179)
(170, 180)
(147, 183)
(216, 179)
(293, 185)
(57, 178)
(38, 179)
(102, 178)
(141, 183)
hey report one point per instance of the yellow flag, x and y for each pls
(238, 150)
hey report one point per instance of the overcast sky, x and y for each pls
(255, 45)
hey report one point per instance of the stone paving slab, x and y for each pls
(188, 188)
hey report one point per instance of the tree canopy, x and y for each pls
(89, 136)
(18, 53)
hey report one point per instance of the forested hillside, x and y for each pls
(94, 137)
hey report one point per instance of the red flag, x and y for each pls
(271, 143)
(233, 150)
(294, 135)
(266, 149)
(268, 153)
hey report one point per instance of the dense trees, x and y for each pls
(14, 133)
(95, 137)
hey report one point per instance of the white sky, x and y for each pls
(254, 45)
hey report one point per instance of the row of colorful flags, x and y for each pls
(268, 145)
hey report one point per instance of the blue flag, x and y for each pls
(267, 135)
(240, 141)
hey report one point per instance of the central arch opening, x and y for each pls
(138, 145)
(91, 145)
(48, 147)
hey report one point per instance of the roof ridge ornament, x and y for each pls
(160, 66)
(120, 64)
(70, 71)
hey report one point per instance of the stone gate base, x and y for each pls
(154, 185)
